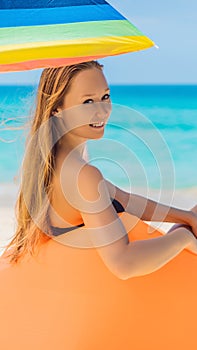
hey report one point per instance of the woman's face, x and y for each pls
(87, 106)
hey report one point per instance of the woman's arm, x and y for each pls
(149, 210)
(108, 234)
(146, 256)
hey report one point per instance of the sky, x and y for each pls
(171, 24)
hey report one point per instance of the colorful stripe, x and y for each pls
(47, 62)
(67, 32)
(59, 15)
(13, 4)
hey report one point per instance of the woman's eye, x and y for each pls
(88, 101)
(106, 97)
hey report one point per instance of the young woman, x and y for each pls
(82, 294)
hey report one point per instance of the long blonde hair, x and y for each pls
(39, 161)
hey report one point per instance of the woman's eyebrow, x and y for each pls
(90, 95)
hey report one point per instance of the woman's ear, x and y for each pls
(56, 112)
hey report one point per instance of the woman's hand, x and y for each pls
(192, 221)
(190, 228)
(192, 247)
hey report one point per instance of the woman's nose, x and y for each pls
(103, 110)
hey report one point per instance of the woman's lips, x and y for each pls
(97, 125)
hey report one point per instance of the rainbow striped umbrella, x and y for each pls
(52, 33)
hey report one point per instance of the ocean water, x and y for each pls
(150, 140)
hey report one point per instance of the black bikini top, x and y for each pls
(56, 231)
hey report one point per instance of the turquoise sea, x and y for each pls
(151, 138)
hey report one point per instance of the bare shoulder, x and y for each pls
(91, 182)
(90, 172)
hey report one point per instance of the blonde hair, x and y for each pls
(39, 161)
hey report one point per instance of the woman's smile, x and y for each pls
(98, 125)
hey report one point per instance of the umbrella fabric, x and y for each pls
(51, 33)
